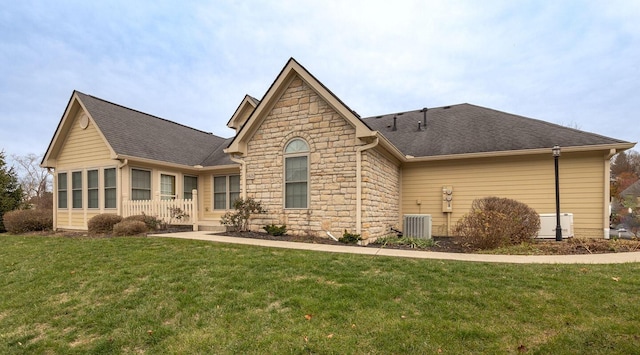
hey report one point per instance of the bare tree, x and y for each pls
(36, 182)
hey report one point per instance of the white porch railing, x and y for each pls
(176, 211)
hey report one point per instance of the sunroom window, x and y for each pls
(110, 195)
(62, 190)
(76, 189)
(92, 188)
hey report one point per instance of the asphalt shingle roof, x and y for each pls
(137, 134)
(466, 128)
(456, 129)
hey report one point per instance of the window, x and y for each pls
(167, 187)
(140, 184)
(76, 189)
(190, 184)
(226, 190)
(110, 188)
(92, 188)
(234, 189)
(220, 193)
(62, 190)
(296, 170)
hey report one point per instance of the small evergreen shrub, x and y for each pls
(274, 230)
(349, 238)
(129, 228)
(103, 223)
(151, 222)
(22, 221)
(494, 222)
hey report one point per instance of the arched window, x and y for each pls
(296, 174)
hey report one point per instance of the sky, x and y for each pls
(574, 63)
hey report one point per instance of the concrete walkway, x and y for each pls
(612, 258)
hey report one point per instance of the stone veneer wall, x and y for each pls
(300, 112)
(380, 194)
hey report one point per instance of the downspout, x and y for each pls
(607, 191)
(54, 193)
(243, 175)
(359, 150)
(121, 165)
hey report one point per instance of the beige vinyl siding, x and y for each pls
(77, 219)
(62, 219)
(529, 179)
(83, 149)
(206, 197)
(83, 146)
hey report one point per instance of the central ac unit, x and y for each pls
(416, 225)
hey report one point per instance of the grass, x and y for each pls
(156, 295)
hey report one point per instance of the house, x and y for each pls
(318, 167)
(627, 203)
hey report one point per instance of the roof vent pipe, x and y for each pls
(394, 124)
(419, 128)
(424, 119)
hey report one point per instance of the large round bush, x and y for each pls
(495, 221)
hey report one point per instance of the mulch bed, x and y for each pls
(574, 246)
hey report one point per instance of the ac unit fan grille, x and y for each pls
(417, 226)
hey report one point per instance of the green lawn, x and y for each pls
(156, 295)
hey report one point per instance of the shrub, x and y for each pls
(239, 220)
(349, 238)
(494, 222)
(151, 222)
(177, 213)
(128, 228)
(274, 230)
(103, 223)
(21, 221)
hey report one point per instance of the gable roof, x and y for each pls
(133, 134)
(632, 190)
(244, 110)
(469, 129)
(290, 71)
